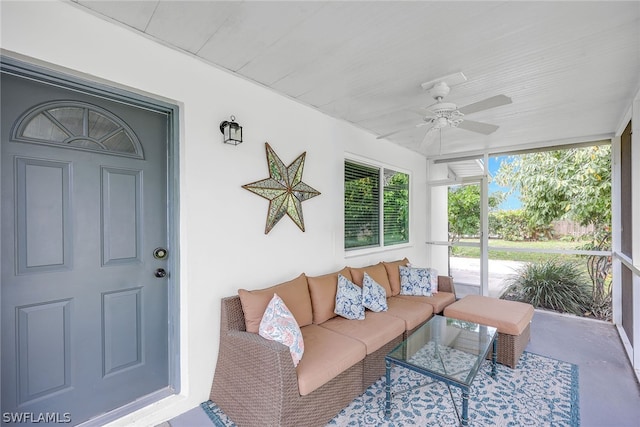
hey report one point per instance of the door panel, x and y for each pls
(43, 329)
(84, 184)
(122, 339)
(121, 215)
(43, 224)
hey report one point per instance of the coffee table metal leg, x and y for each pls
(494, 356)
(465, 407)
(387, 387)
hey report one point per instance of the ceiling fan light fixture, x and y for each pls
(453, 122)
(441, 122)
(444, 109)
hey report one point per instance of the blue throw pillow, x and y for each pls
(415, 281)
(349, 299)
(374, 297)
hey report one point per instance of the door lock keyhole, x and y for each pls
(160, 253)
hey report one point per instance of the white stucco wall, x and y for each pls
(223, 245)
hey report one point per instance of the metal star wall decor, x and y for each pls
(284, 189)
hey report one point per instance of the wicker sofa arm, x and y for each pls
(445, 284)
(254, 342)
(261, 360)
(251, 368)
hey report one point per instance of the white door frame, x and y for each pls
(482, 182)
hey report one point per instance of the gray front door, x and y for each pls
(83, 207)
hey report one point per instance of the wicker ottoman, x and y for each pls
(511, 318)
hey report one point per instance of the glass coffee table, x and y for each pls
(447, 350)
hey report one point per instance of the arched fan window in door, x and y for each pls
(77, 125)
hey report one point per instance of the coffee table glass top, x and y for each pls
(450, 348)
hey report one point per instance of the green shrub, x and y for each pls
(553, 285)
(509, 225)
(516, 225)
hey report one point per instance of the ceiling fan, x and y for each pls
(443, 114)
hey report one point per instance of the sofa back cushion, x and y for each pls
(323, 294)
(377, 272)
(294, 293)
(393, 272)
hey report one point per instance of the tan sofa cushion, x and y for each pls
(510, 317)
(377, 272)
(393, 272)
(376, 330)
(413, 313)
(323, 294)
(326, 355)
(294, 293)
(438, 301)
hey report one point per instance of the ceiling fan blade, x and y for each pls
(424, 144)
(403, 130)
(424, 109)
(473, 126)
(421, 111)
(494, 101)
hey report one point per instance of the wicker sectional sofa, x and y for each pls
(255, 381)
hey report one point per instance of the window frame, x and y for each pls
(44, 110)
(381, 246)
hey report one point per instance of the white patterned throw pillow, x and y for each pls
(416, 281)
(349, 300)
(374, 297)
(278, 324)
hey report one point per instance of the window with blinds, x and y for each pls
(376, 206)
(396, 207)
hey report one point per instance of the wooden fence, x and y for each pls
(570, 228)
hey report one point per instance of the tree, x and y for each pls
(573, 184)
(396, 208)
(361, 205)
(511, 225)
(464, 210)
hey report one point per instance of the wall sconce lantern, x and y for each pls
(232, 131)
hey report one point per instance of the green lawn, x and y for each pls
(467, 252)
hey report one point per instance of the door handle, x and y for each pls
(160, 273)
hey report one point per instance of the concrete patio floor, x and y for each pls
(466, 275)
(609, 390)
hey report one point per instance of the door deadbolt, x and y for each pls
(160, 253)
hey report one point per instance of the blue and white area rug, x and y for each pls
(539, 392)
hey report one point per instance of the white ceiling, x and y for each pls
(571, 68)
